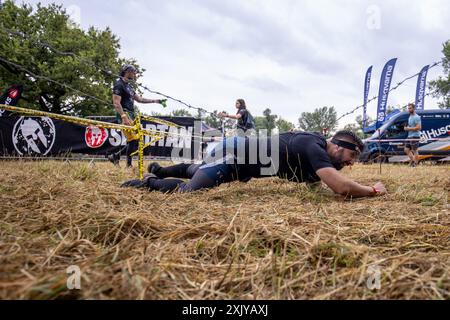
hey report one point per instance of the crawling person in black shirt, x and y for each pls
(295, 156)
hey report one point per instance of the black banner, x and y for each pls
(41, 136)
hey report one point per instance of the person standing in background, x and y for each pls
(245, 122)
(413, 129)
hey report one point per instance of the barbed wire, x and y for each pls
(429, 93)
(37, 76)
(81, 93)
(390, 90)
(112, 74)
(109, 73)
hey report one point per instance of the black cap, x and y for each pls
(128, 68)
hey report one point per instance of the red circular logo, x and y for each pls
(95, 137)
(13, 93)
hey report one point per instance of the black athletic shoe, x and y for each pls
(139, 184)
(153, 168)
(114, 159)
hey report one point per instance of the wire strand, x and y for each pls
(390, 90)
(109, 73)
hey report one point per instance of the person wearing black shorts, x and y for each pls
(123, 100)
(413, 129)
(300, 157)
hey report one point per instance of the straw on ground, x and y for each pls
(267, 239)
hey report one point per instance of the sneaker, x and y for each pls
(114, 159)
(153, 167)
(133, 184)
(139, 184)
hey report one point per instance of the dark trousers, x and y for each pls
(130, 147)
(201, 176)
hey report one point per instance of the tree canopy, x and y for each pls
(325, 117)
(26, 35)
(442, 85)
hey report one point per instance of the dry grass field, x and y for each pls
(267, 239)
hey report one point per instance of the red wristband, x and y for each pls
(375, 191)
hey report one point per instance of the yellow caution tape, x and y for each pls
(134, 132)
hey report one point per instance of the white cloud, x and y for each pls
(291, 56)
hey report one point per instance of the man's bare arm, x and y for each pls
(118, 106)
(143, 100)
(347, 187)
(416, 128)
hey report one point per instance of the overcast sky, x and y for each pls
(289, 55)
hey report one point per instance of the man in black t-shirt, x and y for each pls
(123, 100)
(295, 156)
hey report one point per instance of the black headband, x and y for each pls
(346, 145)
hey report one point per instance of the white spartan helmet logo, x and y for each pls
(96, 135)
(34, 136)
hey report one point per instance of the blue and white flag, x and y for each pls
(366, 94)
(385, 87)
(421, 87)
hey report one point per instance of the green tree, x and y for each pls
(390, 109)
(284, 125)
(442, 85)
(319, 119)
(51, 25)
(270, 120)
(213, 120)
(181, 113)
(360, 124)
(353, 127)
(266, 122)
(260, 123)
(357, 127)
(200, 114)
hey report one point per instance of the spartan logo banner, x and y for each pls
(11, 97)
(385, 87)
(33, 136)
(42, 136)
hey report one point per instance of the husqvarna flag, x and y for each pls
(421, 86)
(366, 94)
(385, 86)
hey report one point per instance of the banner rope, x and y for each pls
(390, 90)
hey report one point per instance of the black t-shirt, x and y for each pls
(126, 92)
(241, 124)
(300, 155)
